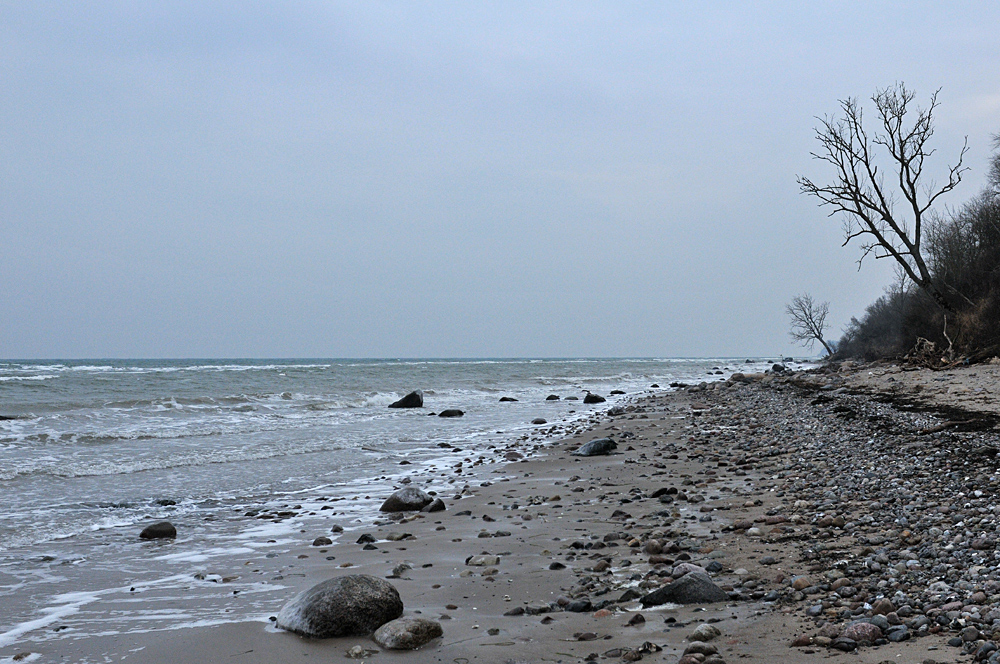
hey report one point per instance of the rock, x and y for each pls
(353, 605)
(322, 541)
(407, 499)
(539, 420)
(692, 588)
(552, 397)
(451, 412)
(862, 632)
(484, 560)
(897, 633)
(507, 399)
(701, 648)
(161, 530)
(883, 606)
(616, 392)
(844, 644)
(412, 400)
(598, 447)
(358, 652)
(436, 505)
(593, 398)
(407, 633)
(399, 570)
(704, 632)
(801, 582)
(629, 595)
(579, 606)
(682, 569)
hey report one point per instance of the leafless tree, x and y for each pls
(867, 197)
(808, 321)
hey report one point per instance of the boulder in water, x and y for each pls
(593, 398)
(451, 412)
(353, 605)
(407, 633)
(414, 399)
(408, 499)
(507, 399)
(598, 447)
(161, 530)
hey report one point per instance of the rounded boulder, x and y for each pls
(353, 605)
(407, 633)
(409, 499)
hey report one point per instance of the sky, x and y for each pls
(447, 179)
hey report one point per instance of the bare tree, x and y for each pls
(866, 197)
(808, 321)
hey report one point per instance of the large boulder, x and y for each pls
(412, 400)
(451, 412)
(407, 633)
(692, 588)
(593, 398)
(354, 605)
(408, 499)
(161, 530)
(598, 447)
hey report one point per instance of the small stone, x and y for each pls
(845, 644)
(407, 633)
(883, 606)
(322, 541)
(704, 632)
(358, 652)
(436, 505)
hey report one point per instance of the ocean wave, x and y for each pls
(51, 466)
(40, 377)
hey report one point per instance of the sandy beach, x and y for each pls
(778, 489)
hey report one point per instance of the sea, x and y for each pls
(91, 451)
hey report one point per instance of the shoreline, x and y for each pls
(735, 451)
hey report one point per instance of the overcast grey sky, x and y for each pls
(206, 179)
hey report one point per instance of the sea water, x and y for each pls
(97, 449)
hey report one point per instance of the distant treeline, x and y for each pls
(963, 252)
